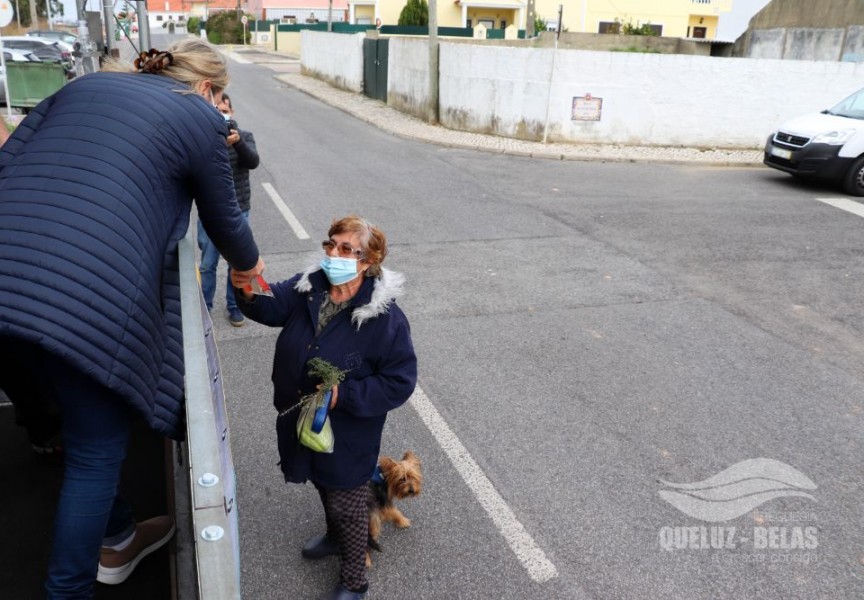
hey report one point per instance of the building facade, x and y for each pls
(163, 13)
(668, 18)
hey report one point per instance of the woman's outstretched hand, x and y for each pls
(241, 279)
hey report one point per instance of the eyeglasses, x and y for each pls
(344, 249)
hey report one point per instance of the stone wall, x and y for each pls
(805, 30)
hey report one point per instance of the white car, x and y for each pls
(47, 50)
(826, 145)
(65, 39)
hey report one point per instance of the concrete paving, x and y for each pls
(407, 126)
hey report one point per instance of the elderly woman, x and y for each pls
(96, 188)
(344, 312)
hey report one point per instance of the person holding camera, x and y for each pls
(244, 157)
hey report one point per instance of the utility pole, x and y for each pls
(108, 15)
(330, 15)
(552, 72)
(86, 54)
(143, 26)
(34, 22)
(432, 112)
(18, 14)
(530, 20)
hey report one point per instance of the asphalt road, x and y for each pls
(585, 333)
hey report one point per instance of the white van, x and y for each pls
(826, 145)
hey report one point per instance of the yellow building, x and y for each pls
(669, 18)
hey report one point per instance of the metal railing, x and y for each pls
(208, 543)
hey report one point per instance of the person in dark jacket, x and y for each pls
(244, 156)
(96, 188)
(343, 311)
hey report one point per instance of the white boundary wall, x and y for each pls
(408, 75)
(336, 58)
(648, 99)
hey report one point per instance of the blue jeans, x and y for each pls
(208, 266)
(90, 512)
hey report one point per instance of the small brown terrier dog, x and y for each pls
(403, 479)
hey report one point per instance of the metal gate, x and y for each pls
(375, 69)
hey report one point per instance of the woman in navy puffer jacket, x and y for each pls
(96, 187)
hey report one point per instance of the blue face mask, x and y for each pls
(339, 270)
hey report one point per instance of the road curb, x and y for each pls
(437, 134)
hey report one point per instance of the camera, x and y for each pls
(231, 124)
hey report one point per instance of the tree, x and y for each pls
(629, 28)
(41, 11)
(416, 12)
(193, 25)
(539, 25)
(225, 27)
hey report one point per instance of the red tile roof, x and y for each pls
(184, 6)
(181, 6)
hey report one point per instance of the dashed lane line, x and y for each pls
(286, 212)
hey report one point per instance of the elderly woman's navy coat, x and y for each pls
(370, 339)
(96, 187)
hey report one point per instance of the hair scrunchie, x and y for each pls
(153, 61)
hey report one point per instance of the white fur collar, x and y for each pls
(387, 288)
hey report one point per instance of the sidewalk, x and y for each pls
(406, 126)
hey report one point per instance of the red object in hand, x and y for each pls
(259, 287)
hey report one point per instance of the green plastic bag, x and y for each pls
(318, 442)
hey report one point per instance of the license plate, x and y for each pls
(780, 152)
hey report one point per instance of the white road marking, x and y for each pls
(520, 541)
(856, 208)
(286, 212)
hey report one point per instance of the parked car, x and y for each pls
(55, 34)
(10, 55)
(827, 145)
(64, 38)
(46, 50)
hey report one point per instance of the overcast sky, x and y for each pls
(733, 24)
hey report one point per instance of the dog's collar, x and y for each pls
(377, 476)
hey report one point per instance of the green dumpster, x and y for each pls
(32, 82)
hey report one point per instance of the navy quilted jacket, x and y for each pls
(371, 340)
(96, 187)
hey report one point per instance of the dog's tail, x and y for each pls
(374, 545)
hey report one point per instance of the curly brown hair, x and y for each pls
(372, 240)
